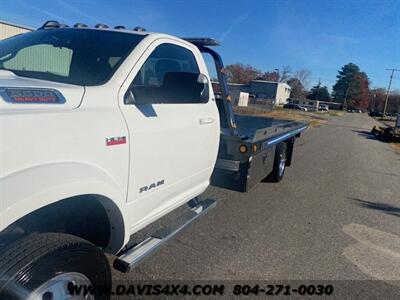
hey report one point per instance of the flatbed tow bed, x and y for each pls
(248, 143)
(242, 170)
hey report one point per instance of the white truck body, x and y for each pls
(52, 151)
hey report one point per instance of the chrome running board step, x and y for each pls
(133, 256)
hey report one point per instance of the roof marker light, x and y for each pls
(139, 29)
(100, 25)
(50, 25)
(80, 25)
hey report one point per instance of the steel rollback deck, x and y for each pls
(247, 143)
(227, 117)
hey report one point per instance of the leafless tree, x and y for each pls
(269, 76)
(240, 73)
(285, 73)
(298, 91)
(304, 76)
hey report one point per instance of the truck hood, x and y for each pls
(27, 94)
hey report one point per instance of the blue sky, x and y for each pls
(318, 35)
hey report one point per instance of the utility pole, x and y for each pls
(345, 97)
(388, 90)
(319, 89)
(372, 107)
(277, 71)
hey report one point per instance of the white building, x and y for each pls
(282, 93)
(277, 93)
(8, 29)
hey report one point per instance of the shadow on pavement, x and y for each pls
(366, 134)
(383, 207)
(343, 126)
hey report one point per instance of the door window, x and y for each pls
(169, 75)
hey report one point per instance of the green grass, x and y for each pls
(336, 113)
(285, 114)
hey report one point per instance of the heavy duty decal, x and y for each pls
(115, 140)
(32, 96)
(151, 186)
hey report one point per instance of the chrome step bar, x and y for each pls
(132, 257)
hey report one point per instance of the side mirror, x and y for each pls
(205, 92)
(177, 87)
(129, 97)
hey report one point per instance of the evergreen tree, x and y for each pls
(352, 86)
(319, 92)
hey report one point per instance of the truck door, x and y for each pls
(173, 126)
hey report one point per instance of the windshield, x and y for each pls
(81, 57)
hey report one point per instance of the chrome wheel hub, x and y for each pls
(282, 164)
(56, 288)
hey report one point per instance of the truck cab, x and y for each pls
(169, 107)
(153, 125)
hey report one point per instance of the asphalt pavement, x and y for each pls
(334, 217)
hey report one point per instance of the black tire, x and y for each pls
(36, 259)
(279, 163)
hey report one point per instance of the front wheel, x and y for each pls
(52, 266)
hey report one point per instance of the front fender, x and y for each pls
(27, 190)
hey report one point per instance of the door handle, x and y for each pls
(204, 121)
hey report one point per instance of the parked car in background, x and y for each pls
(295, 106)
(354, 110)
(323, 107)
(392, 115)
(290, 106)
(375, 114)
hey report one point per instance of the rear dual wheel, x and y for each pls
(279, 163)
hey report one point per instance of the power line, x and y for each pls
(390, 85)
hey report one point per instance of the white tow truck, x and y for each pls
(105, 132)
